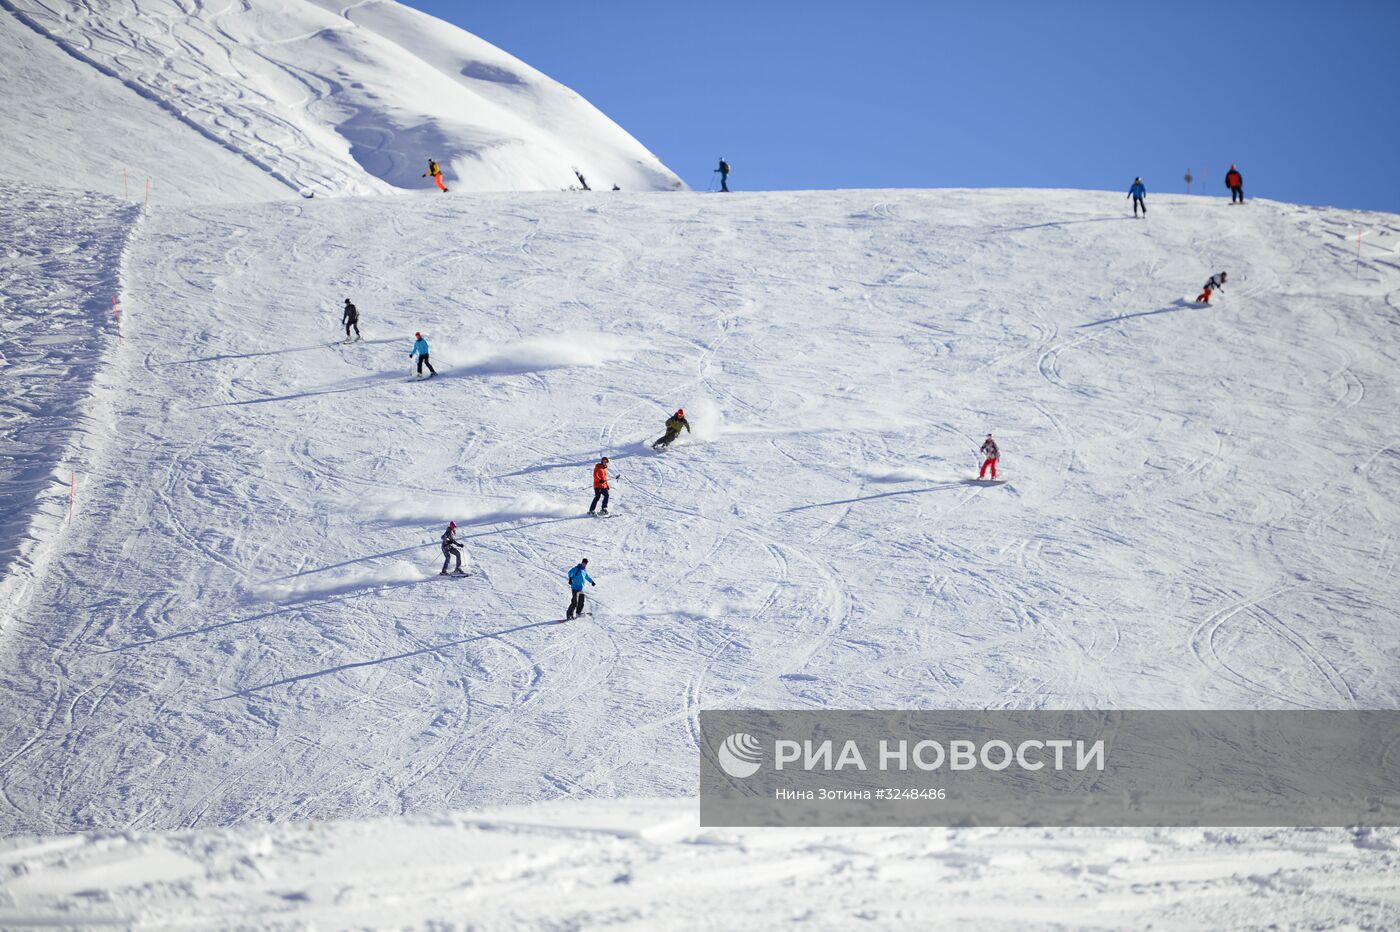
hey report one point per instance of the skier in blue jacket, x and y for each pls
(577, 577)
(420, 349)
(1138, 192)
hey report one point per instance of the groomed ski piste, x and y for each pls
(241, 622)
(237, 694)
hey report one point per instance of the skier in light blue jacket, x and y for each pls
(1138, 192)
(577, 577)
(420, 349)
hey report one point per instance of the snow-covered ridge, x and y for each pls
(327, 98)
(60, 272)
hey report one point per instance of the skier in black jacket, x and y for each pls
(351, 318)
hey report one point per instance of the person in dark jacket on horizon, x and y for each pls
(723, 175)
(1138, 192)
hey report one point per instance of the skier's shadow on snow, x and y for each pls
(277, 352)
(1057, 223)
(1180, 304)
(941, 487)
(353, 385)
(639, 448)
(355, 665)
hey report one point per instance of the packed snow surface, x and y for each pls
(242, 622)
(271, 98)
(647, 865)
(1200, 507)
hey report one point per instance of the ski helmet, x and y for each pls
(452, 524)
(680, 412)
(418, 336)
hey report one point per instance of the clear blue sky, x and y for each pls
(1305, 96)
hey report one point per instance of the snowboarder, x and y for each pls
(723, 175)
(1235, 182)
(435, 172)
(992, 454)
(577, 577)
(351, 318)
(600, 485)
(674, 423)
(420, 349)
(582, 180)
(1138, 192)
(451, 548)
(1214, 283)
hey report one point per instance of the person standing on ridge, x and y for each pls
(992, 454)
(420, 349)
(600, 485)
(350, 318)
(1138, 192)
(674, 423)
(451, 548)
(577, 577)
(1214, 283)
(435, 172)
(1235, 182)
(723, 175)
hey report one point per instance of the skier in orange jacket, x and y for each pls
(600, 485)
(1235, 182)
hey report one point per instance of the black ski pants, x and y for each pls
(423, 361)
(1139, 202)
(597, 494)
(348, 325)
(447, 554)
(575, 604)
(1237, 195)
(667, 439)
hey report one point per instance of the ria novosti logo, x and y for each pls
(740, 755)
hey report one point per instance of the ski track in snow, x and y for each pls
(1199, 510)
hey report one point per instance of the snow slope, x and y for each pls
(254, 100)
(1201, 508)
(60, 270)
(648, 866)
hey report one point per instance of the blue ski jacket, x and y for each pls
(1138, 189)
(420, 347)
(578, 576)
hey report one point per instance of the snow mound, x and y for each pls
(292, 96)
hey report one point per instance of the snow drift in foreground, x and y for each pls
(239, 102)
(646, 866)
